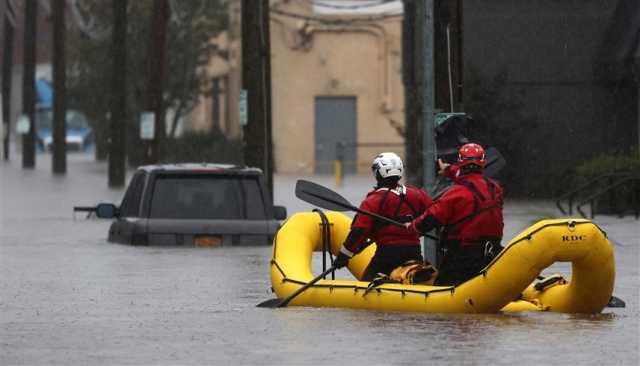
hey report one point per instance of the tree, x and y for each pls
(192, 27)
(191, 30)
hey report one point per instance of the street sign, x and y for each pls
(243, 108)
(147, 125)
(23, 126)
(441, 117)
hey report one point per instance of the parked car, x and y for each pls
(79, 135)
(194, 204)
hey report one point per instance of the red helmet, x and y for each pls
(471, 154)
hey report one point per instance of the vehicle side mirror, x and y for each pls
(280, 212)
(106, 210)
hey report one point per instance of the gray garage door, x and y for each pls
(335, 122)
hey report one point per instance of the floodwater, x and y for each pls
(68, 297)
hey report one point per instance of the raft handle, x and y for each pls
(550, 281)
(326, 240)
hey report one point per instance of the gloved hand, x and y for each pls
(411, 227)
(442, 167)
(341, 260)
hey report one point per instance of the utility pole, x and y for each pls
(117, 147)
(29, 83)
(446, 66)
(413, 141)
(7, 71)
(256, 80)
(59, 90)
(424, 14)
(156, 72)
(425, 86)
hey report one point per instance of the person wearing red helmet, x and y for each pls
(389, 198)
(469, 216)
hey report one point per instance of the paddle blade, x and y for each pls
(616, 302)
(271, 303)
(495, 162)
(320, 196)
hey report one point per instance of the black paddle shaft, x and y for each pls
(364, 212)
(277, 303)
(324, 197)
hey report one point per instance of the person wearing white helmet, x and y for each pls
(389, 198)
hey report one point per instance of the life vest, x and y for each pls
(401, 203)
(484, 222)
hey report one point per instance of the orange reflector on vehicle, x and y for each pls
(207, 241)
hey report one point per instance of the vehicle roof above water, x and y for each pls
(197, 168)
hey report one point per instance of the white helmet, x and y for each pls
(387, 164)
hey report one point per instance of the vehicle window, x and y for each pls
(131, 202)
(254, 201)
(198, 197)
(74, 119)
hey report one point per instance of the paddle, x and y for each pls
(616, 302)
(321, 196)
(280, 303)
(494, 162)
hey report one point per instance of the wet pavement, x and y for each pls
(68, 297)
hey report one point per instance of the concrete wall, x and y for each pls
(311, 60)
(549, 49)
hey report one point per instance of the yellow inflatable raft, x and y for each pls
(506, 284)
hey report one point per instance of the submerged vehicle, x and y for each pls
(508, 283)
(194, 204)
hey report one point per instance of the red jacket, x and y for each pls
(470, 210)
(402, 203)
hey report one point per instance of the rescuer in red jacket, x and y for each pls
(395, 245)
(469, 216)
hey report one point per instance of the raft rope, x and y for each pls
(426, 293)
(528, 237)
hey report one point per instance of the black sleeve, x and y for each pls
(355, 239)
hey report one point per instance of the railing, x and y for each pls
(633, 182)
(610, 181)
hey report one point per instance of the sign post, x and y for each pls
(147, 125)
(242, 106)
